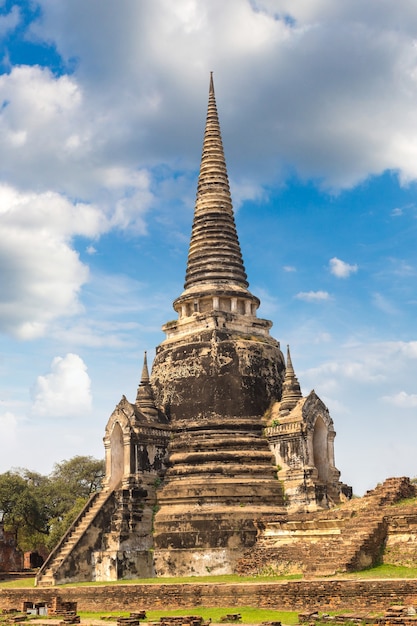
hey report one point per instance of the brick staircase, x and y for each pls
(363, 534)
(358, 546)
(348, 538)
(46, 575)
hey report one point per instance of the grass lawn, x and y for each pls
(384, 571)
(249, 614)
(380, 571)
(17, 583)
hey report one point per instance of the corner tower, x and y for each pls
(214, 376)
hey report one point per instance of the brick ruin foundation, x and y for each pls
(303, 595)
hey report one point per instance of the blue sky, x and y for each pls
(102, 112)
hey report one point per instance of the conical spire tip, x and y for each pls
(145, 371)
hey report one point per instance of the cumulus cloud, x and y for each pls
(41, 124)
(339, 107)
(65, 391)
(54, 136)
(341, 269)
(313, 296)
(402, 400)
(42, 274)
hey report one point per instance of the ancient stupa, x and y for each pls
(215, 375)
(194, 463)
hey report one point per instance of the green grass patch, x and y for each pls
(380, 571)
(384, 571)
(249, 614)
(17, 583)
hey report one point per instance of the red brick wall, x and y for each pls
(291, 595)
(11, 560)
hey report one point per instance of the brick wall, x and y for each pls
(292, 595)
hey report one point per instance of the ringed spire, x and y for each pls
(144, 397)
(214, 254)
(291, 391)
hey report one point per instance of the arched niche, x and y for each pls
(320, 449)
(116, 455)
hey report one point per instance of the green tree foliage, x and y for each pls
(39, 509)
(24, 511)
(71, 485)
(59, 525)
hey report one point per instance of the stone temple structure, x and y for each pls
(219, 436)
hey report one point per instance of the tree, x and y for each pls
(71, 485)
(80, 476)
(59, 526)
(39, 509)
(25, 512)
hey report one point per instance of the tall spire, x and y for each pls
(214, 254)
(291, 391)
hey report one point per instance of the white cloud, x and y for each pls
(385, 352)
(65, 391)
(407, 349)
(57, 136)
(39, 116)
(402, 400)
(8, 427)
(42, 274)
(339, 107)
(383, 364)
(313, 296)
(129, 211)
(289, 268)
(341, 269)
(244, 190)
(355, 370)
